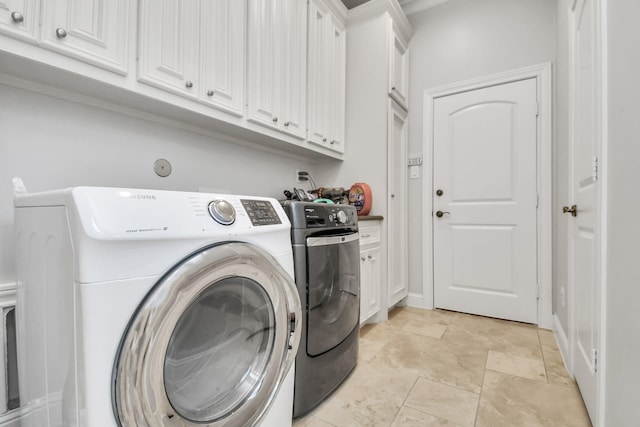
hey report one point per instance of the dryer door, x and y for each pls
(211, 343)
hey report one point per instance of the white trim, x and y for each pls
(338, 9)
(374, 8)
(414, 6)
(8, 287)
(603, 176)
(418, 301)
(563, 343)
(541, 72)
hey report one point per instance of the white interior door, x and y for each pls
(485, 200)
(584, 235)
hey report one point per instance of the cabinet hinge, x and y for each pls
(594, 360)
(537, 201)
(537, 108)
(595, 168)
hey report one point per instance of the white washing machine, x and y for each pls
(154, 308)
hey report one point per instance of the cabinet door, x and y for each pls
(168, 37)
(222, 32)
(19, 18)
(294, 75)
(365, 280)
(318, 78)
(397, 209)
(337, 89)
(93, 31)
(373, 285)
(399, 71)
(263, 62)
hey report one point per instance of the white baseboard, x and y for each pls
(563, 343)
(417, 301)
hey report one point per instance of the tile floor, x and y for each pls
(439, 368)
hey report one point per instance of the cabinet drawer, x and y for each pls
(369, 235)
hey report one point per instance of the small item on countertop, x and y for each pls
(322, 200)
(336, 194)
(360, 197)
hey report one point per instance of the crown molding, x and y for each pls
(375, 8)
(414, 6)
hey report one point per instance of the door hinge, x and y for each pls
(537, 108)
(594, 360)
(595, 168)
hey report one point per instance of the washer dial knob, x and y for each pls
(222, 212)
(341, 217)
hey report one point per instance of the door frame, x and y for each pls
(544, 166)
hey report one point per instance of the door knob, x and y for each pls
(440, 214)
(573, 210)
(439, 192)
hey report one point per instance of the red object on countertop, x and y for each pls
(360, 197)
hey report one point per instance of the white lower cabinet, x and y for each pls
(370, 293)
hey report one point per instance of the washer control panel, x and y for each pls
(261, 212)
(222, 212)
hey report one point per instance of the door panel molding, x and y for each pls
(542, 73)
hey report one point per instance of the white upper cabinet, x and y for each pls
(318, 100)
(194, 49)
(277, 65)
(337, 88)
(222, 54)
(327, 73)
(93, 31)
(399, 70)
(19, 18)
(168, 37)
(294, 88)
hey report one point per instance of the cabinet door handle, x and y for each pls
(188, 84)
(366, 236)
(210, 92)
(275, 120)
(17, 17)
(287, 124)
(369, 256)
(61, 33)
(363, 259)
(324, 139)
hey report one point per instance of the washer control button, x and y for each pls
(222, 212)
(341, 217)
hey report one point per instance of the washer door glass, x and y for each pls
(211, 343)
(226, 334)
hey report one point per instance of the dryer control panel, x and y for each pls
(320, 215)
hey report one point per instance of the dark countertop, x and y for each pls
(370, 218)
